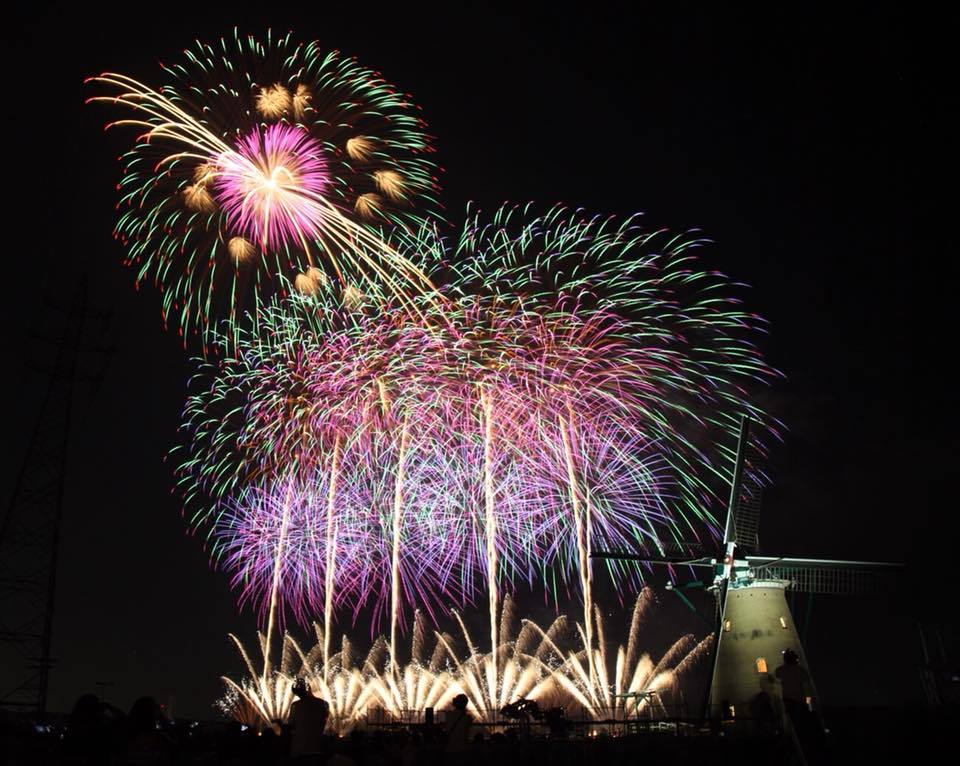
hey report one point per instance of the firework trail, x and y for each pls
(493, 440)
(268, 158)
(621, 339)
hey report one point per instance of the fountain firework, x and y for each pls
(531, 663)
(626, 682)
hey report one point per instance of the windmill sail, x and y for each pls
(850, 578)
(690, 553)
(747, 514)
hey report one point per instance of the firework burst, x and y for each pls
(495, 440)
(268, 158)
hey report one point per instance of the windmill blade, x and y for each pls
(747, 516)
(665, 553)
(730, 536)
(648, 558)
(798, 563)
(679, 550)
(830, 576)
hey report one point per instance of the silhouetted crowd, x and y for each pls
(96, 734)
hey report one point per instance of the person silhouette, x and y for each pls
(795, 687)
(87, 739)
(762, 708)
(458, 733)
(308, 719)
(147, 742)
(796, 691)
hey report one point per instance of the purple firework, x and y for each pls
(271, 187)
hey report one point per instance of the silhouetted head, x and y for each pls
(301, 689)
(460, 702)
(144, 714)
(790, 657)
(87, 711)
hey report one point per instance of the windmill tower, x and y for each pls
(753, 623)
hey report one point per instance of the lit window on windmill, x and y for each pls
(727, 626)
(761, 665)
(783, 623)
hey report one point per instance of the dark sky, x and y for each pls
(808, 146)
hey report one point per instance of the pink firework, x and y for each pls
(271, 188)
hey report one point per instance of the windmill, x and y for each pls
(753, 623)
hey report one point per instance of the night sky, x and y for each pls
(809, 147)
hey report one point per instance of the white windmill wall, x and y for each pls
(757, 627)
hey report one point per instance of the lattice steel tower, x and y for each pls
(30, 530)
